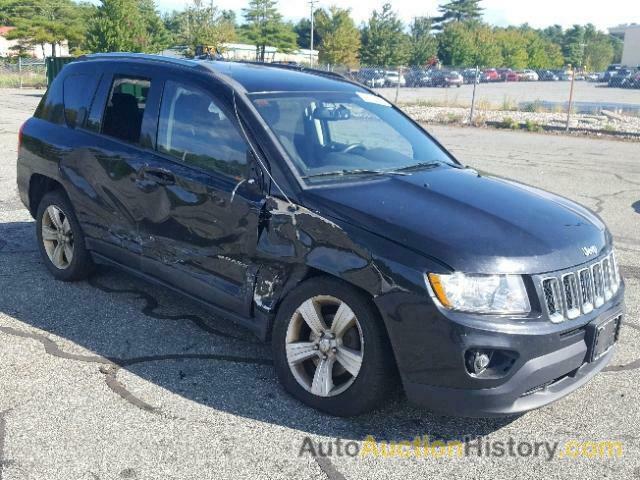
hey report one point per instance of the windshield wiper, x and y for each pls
(355, 171)
(418, 166)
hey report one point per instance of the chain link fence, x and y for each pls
(23, 72)
(530, 99)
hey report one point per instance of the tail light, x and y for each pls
(20, 135)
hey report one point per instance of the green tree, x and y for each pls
(424, 45)
(204, 24)
(573, 46)
(156, 37)
(128, 26)
(457, 45)
(488, 52)
(618, 46)
(340, 39)
(44, 22)
(458, 11)
(384, 42)
(303, 31)
(513, 46)
(554, 55)
(554, 34)
(265, 27)
(598, 50)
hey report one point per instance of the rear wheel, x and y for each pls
(331, 350)
(60, 238)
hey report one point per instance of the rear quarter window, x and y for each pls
(51, 107)
(78, 92)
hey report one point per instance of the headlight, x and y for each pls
(481, 293)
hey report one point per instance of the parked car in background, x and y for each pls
(528, 75)
(471, 75)
(490, 75)
(621, 78)
(447, 79)
(502, 73)
(508, 75)
(419, 77)
(547, 76)
(594, 77)
(635, 80)
(512, 76)
(563, 75)
(392, 78)
(371, 77)
(611, 70)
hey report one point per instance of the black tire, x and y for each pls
(81, 265)
(377, 378)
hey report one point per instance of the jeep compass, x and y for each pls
(312, 211)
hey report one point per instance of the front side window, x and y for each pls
(332, 136)
(195, 130)
(125, 108)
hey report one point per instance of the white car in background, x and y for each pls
(392, 78)
(528, 76)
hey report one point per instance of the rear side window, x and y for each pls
(195, 130)
(51, 107)
(125, 108)
(78, 94)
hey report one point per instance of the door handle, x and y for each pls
(158, 175)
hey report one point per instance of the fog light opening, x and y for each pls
(478, 361)
(486, 363)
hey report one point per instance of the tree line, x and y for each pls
(457, 36)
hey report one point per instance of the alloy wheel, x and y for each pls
(57, 237)
(324, 346)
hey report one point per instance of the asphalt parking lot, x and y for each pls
(117, 379)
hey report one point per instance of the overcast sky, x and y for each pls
(538, 13)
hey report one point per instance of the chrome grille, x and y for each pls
(553, 298)
(586, 289)
(571, 299)
(606, 276)
(598, 285)
(572, 294)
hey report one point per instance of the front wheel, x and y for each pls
(331, 350)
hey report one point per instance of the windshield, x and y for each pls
(332, 136)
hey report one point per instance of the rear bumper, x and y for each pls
(23, 174)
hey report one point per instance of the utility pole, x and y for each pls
(312, 4)
(570, 106)
(476, 79)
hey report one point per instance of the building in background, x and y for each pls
(244, 51)
(9, 48)
(631, 36)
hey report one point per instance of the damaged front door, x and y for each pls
(200, 228)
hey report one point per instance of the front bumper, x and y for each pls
(512, 397)
(552, 359)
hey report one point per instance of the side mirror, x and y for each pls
(256, 179)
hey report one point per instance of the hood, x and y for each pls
(471, 222)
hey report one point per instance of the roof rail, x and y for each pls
(298, 68)
(140, 56)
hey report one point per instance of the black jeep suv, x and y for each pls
(312, 211)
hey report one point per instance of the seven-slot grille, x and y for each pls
(576, 293)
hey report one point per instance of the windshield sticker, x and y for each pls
(369, 98)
